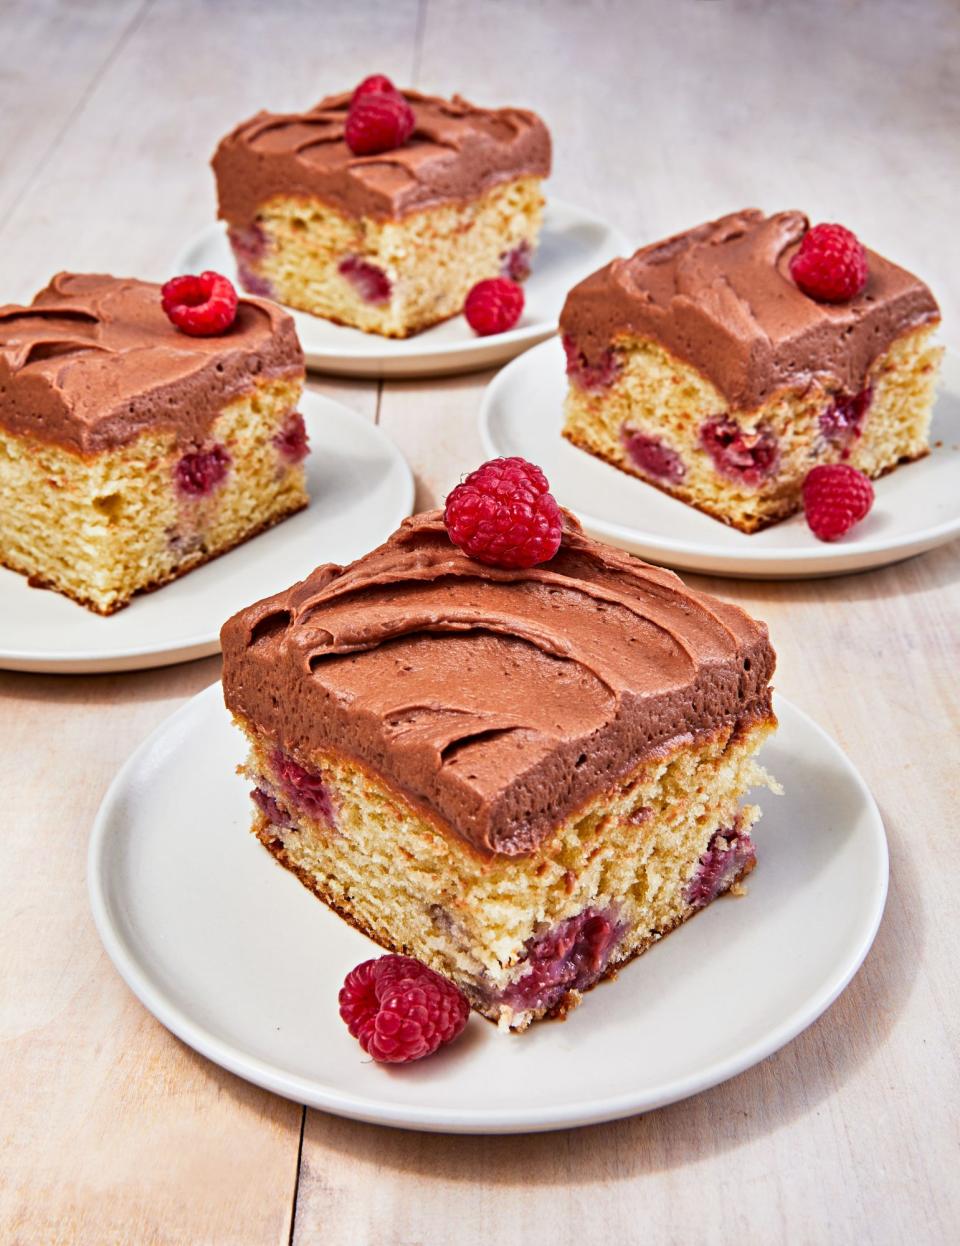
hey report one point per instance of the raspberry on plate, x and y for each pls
(200, 306)
(504, 515)
(399, 1010)
(378, 121)
(493, 306)
(835, 498)
(830, 265)
(376, 84)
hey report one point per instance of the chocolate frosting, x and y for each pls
(457, 151)
(93, 362)
(500, 701)
(721, 298)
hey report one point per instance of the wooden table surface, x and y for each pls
(111, 1130)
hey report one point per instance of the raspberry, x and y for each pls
(303, 788)
(200, 306)
(835, 497)
(749, 458)
(378, 121)
(590, 376)
(200, 472)
(369, 280)
(729, 854)
(399, 1010)
(493, 306)
(268, 806)
(652, 456)
(291, 440)
(376, 84)
(843, 419)
(503, 515)
(570, 957)
(515, 264)
(831, 264)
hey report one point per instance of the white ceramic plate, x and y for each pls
(360, 488)
(239, 960)
(572, 245)
(916, 507)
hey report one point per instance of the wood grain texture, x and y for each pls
(113, 1131)
(663, 114)
(53, 56)
(130, 180)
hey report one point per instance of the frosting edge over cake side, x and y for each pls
(500, 701)
(93, 362)
(458, 151)
(721, 298)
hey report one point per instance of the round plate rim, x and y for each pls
(189, 648)
(830, 559)
(370, 349)
(433, 1120)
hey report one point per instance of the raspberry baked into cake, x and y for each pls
(131, 450)
(381, 209)
(523, 776)
(723, 364)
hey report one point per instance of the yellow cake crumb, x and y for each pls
(100, 528)
(431, 258)
(659, 396)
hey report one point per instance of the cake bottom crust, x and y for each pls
(397, 334)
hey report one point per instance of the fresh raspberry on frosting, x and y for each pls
(493, 306)
(376, 84)
(399, 1010)
(831, 264)
(835, 498)
(378, 121)
(504, 515)
(200, 306)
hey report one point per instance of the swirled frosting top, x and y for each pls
(500, 701)
(722, 299)
(457, 151)
(93, 362)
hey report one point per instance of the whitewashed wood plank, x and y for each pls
(113, 1130)
(53, 55)
(435, 425)
(665, 115)
(130, 181)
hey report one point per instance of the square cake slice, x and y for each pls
(389, 243)
(523, 778)
(699, 366)
(131, 453)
